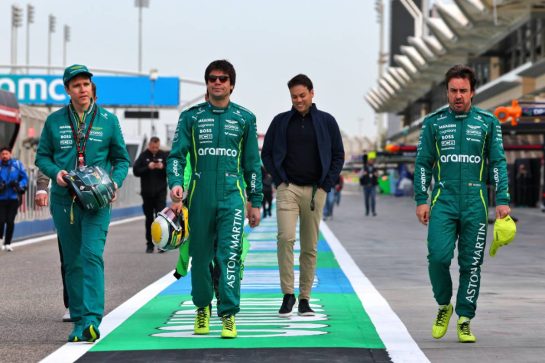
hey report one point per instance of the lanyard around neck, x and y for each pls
(81, 144)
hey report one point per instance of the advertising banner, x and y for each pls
(112, 91)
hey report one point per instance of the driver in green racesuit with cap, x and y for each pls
(79, 134)
(221, 139)
(461, 146)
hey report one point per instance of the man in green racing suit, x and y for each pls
(459, 144)
(221, 139)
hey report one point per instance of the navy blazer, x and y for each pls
(330, 147)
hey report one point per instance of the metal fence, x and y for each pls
(128, 196)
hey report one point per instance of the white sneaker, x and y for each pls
(66, 317)
(3, 248)
(8, 248)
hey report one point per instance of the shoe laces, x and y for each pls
(228, 322)
(201, 317)
(464, 327)
(441, 317)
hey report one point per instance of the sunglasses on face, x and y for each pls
(222, 79)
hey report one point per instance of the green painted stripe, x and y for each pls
(166, 322)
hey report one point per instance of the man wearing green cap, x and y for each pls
(81, 134)
(461, 146)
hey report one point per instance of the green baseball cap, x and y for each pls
(74, 70)
(505, 230)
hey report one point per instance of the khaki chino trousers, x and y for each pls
(293, 204)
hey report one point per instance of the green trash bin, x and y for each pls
(384, 184)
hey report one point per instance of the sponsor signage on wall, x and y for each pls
(114, 91)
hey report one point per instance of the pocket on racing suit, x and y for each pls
(234, 184)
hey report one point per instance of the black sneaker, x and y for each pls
(304, 308)
(287, 305)
(149, 249)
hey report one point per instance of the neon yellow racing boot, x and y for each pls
(464, 331)
(229, 330)
(441, 322)
(202, 321)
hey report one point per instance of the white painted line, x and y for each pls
(48, 237)
(70, 352)
(400, 345)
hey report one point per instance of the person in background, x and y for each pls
(267, 192)
(369, 182)
(150, 166)
(330, 202)
(338, 190)
(42, 200)
(13, 183)
(523, 180)
(303, 150)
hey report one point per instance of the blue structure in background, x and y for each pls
(28, 229)
(115, 91)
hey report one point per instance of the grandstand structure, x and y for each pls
(503, 40)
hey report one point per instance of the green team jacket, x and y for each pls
(218, 140)
(105, 147)
(460, 149)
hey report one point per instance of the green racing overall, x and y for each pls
(223, 150)
(463, 152)
(83, 231)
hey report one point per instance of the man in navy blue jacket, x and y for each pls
(303, 151)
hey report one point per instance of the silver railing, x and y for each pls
(128, 196)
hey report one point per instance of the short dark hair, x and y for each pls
(461, 71)
(301, 80)
(5, 148)
(224, 66)
(154, 139)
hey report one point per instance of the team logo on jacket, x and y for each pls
(217, 151)
(473, 130)
(460, 158)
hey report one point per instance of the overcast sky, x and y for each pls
(334, 42)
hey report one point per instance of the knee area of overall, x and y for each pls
(434, 259)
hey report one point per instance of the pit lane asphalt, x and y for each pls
(390, 249)
(31, 304)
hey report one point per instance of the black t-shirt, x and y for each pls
(152, 182)
(369, 176)
(302, 163)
